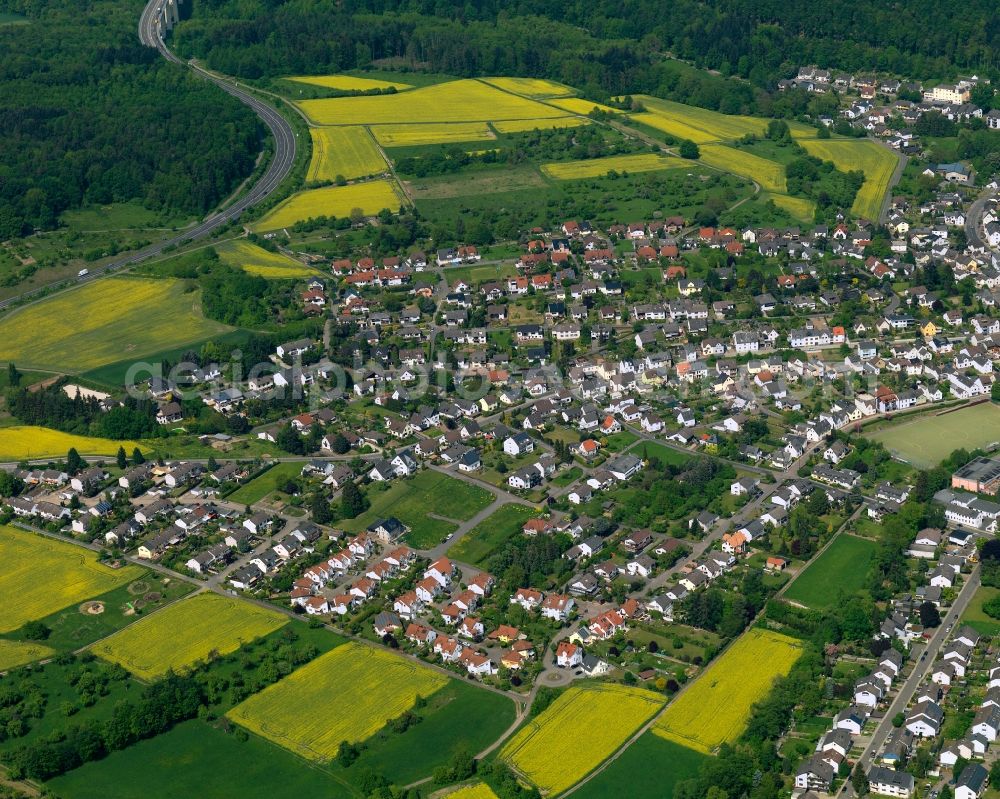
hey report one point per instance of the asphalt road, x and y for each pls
(277, 170)
(973, 220)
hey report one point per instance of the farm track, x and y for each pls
(281, 165)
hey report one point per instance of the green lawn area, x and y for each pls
(619, 441)
(411, 500)
(195, 759)
(974, 615)
(479, 544)
(271, 480)
(661, 452)
(565, 478)
(459, 716)
(478, 274)
(926, 439)
(649, 769)
(841, 570)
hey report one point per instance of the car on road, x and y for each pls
(83, 273)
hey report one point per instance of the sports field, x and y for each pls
(521, 125)
(40, 576)
(704, 125)
(188, 631)
(926, 439)
(28, 442)
(876, 161)
(258, 261)
(598, 167)
(841, 570)
(348, 694)
(455, 101)
(103, 322)
(344, 152)
(531, 87)
(338, 201)
(581, 729)
(431, 133)
(348, 83)
(769, 174)
(17, 653)
(411, 500)
(714, 708)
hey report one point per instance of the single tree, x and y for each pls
(122, 458)
(137, 457)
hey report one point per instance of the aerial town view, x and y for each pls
(499, 400)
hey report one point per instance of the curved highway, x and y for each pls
(277, 170)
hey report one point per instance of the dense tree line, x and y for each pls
(89, 115)
(605, 47)
(52, 407)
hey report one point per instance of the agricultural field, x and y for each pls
(575, 105)
(188, 631)
(522, 125)
(799, 207)
(769, 174)
(714, 708)
(478, 790)
(841, 570)
(27, 590)
(411, 499)
(456, 101)
(581, 729)
(648, 769)
(535, 88)
(482, 541)
(29, 442)
(197, 759)
(486, 183)
(258, 261)
(431, 133)
(271, 480)
(338, 201)
(17, 653)
(597, 167)
(344, 152)
(924, 440)
(876, 161)
(697, 124)
(103, 321)
(348, 83)
(347, 694)
(459, 717)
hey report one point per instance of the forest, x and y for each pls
(90, 116)
(601, 47)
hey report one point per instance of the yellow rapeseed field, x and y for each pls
(531, 87)
(769, 174)
(597, 167)
(187, 631)
(339, 201)
(698, 124)
(581, 729)
(346, 152)
(17, 653)
(348, 83)
(478, 790)
(577, 105)
(28, 442)
(876, 161)
(40, 576)
(431, 133)
(521, 125)
(454, 101)
(799, 207)
(105, 321)
(714, 708)
(348, 694)
(258, 261)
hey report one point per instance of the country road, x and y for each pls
(279, 168)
